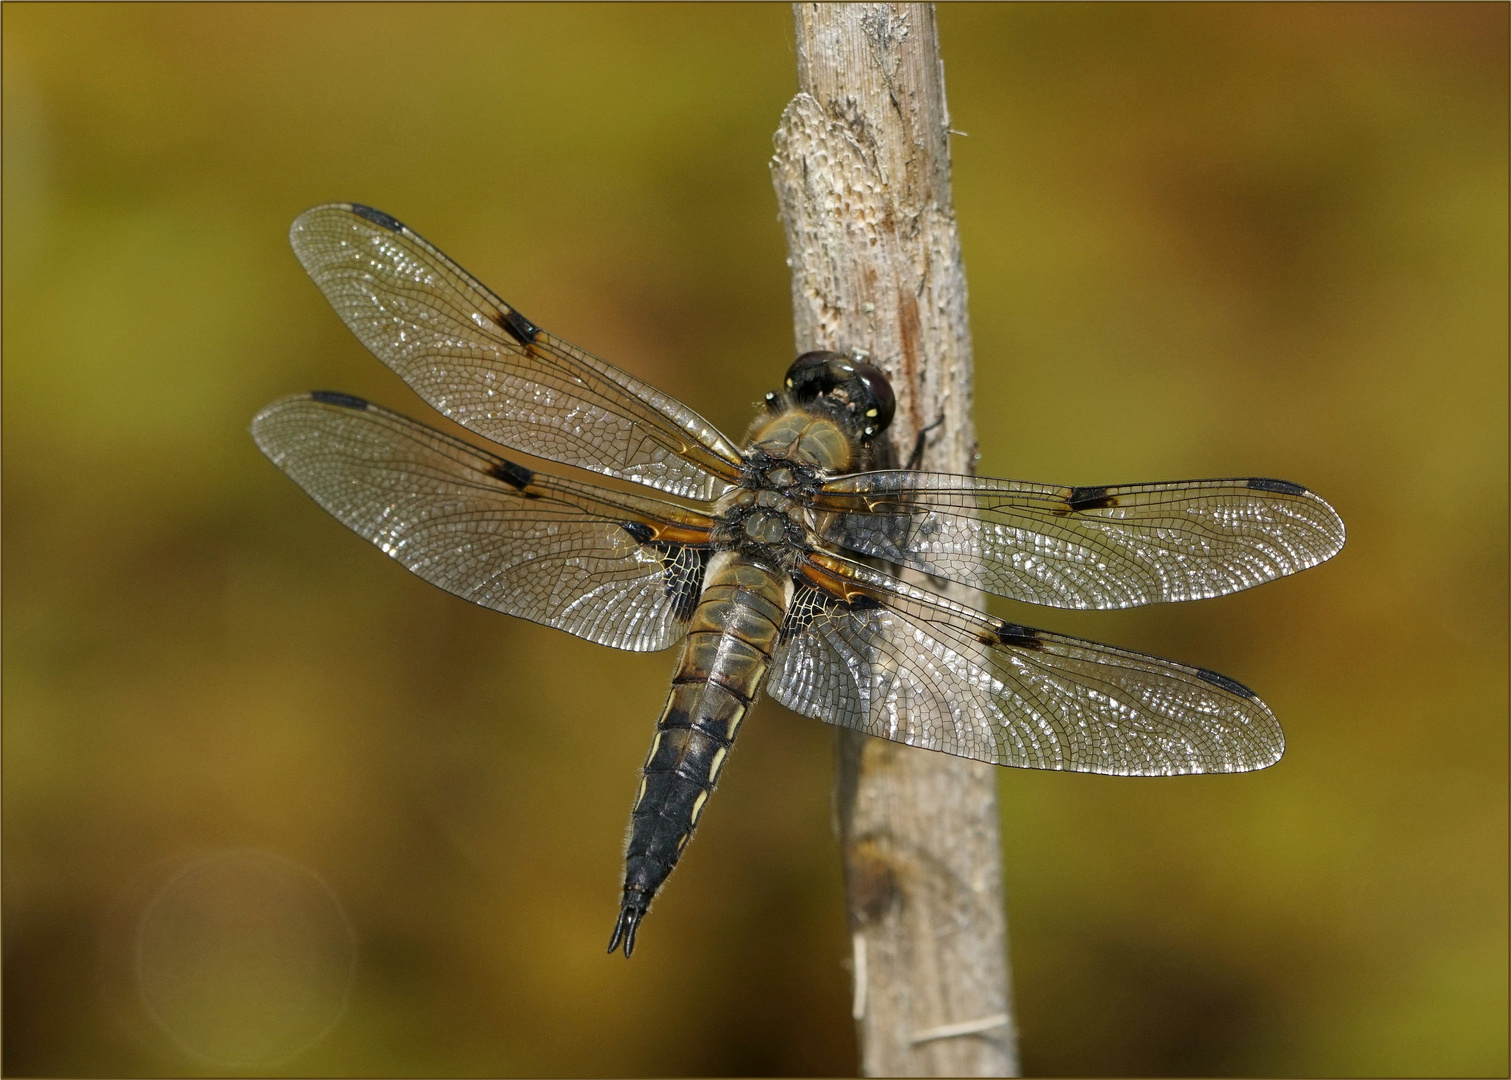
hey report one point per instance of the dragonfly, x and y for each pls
(778, 564)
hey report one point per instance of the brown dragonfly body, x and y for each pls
(763, 561)
(764, 530)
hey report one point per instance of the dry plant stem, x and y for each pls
(862, 173)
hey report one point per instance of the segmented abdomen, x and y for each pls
(724, 658)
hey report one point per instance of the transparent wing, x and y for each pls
(1101, 547)
(481, 363)
(867, 652)
(612, 568)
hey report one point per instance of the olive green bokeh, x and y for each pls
(1201, 241)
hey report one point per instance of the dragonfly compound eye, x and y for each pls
(816, 373)
(855, 391)
(876, 401)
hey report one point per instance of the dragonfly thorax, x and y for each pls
(807, 442)
(766, 521)
(765, 527)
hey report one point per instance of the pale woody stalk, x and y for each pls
(862, 173)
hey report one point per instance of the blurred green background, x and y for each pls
(1200, 240)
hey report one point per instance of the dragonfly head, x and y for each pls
(855, 393)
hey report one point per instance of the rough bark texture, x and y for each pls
(862, 172)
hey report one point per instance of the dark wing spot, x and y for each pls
(378, 217)
(518, 327)
(800, 615)
(1015, 634)
(684, 582)
(681, 570)
(810, 603)
(1232, 686)
(1090, 498)
(1279, 487)
(516, 476)
(331, 397)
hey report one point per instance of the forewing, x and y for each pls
(867, 652)
(1102, 547)
(481, 363)
(613, 568)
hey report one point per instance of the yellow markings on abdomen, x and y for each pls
(724, 659)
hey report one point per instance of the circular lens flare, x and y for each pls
(244, 959)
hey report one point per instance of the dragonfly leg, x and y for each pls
(917, 455)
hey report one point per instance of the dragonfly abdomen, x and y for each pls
(724, 660)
